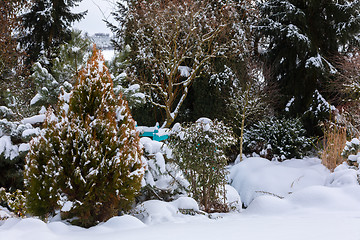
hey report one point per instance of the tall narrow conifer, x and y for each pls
(95, 150)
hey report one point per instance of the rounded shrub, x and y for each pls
(278, 139)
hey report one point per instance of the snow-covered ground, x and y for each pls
(295, 199)
(240, 226)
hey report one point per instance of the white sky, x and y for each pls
(97, 11)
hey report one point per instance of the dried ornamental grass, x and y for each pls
(333, 145)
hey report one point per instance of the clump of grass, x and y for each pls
(333, 144)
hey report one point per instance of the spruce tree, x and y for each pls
(48, 25)
(92, 149)
(302, 37)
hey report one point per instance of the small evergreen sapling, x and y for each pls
(198, 149)
(87, 161)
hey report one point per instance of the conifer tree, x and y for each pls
(301, 38)
(40, 174)
(48, 25)
(93, 150)
(71, 58)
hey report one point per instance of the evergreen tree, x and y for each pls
(71, 58)
(48, 26)
(278, 139)
(89, 157)
(301, 39)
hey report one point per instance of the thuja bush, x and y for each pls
(86, 163)
(278, 139)
(199, 150)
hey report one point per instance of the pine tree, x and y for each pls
(48, 25)
(93, 150)
(71, 58)
(301, 39)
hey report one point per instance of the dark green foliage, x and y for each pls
(11, 172)
(319, 111)
(208, 97)
(48, 25)
(40, 172)
(302, 38)
(87, 161)
(277, 139)
(198, 149)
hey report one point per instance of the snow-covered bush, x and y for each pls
(122, 83)
(318, 112)
(5, 112)
(163, 180)
(198, 149)
(14, 138)
(87, 160)
(277, 139)
(351, 152)
(132, 92)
